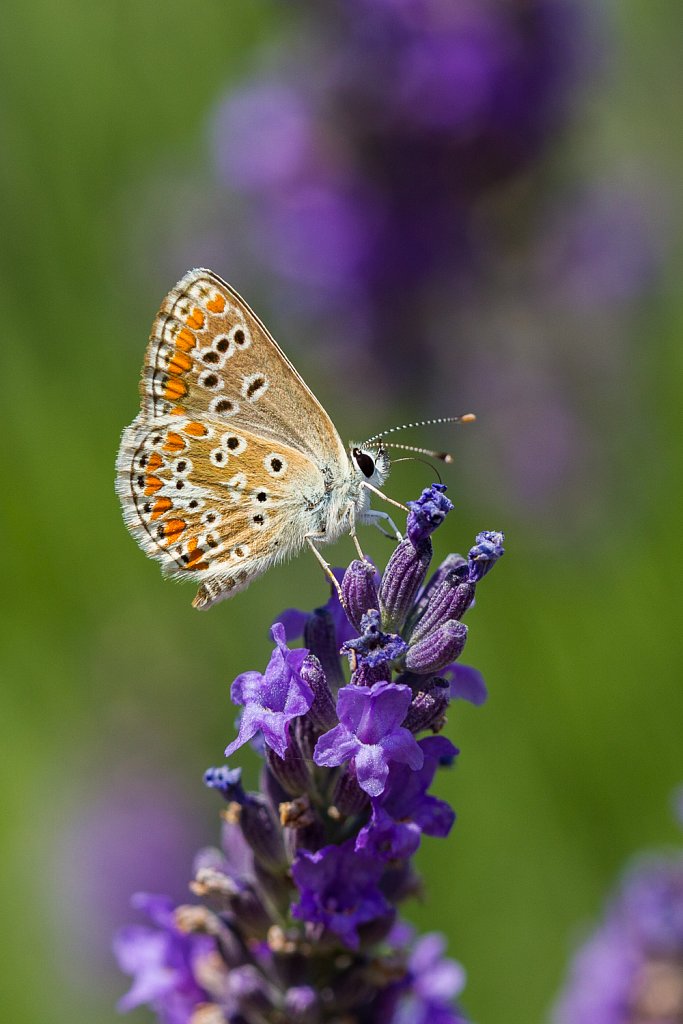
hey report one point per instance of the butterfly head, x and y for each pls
(372, 463)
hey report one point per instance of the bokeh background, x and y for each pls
(488, 219)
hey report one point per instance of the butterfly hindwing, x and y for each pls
(215, 507)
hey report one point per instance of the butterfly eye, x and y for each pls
(365, 462)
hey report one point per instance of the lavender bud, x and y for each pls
(450, 600)
(239, 899)
(438, 649)
(348, 798)
(261, 830)
(306, 735)
(428, 706)
(275, 890)
(320, 638)
(359, 591)
(291, 771)
(403, 577)
(322, 712)
(450, 563)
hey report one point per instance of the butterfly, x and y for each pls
(232, 464)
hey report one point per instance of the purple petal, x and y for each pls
(245, 687)
(293, 621)
(335, 747)
(467, 683)
(402, 746)
(372, 769)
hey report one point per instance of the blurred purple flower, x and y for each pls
(163, 961)
(631, 968)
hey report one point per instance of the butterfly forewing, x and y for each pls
(210, 355)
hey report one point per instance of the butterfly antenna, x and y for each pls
(467, 418)
(443, 456)
(424, 463)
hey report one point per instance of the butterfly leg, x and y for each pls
(384, 497)
(310, 539)
(373, 516)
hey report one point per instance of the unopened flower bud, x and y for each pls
(428, 707)
(450, 600)
(322, 712)
(320, 638)
(359, 591)
(438, 649)
(291, 771)
(402, 579)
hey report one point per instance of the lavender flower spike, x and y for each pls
(272, 700)
(296, 918)
(369, 734)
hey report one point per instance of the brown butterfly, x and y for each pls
(232, 464)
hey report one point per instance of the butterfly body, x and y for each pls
(232, 465)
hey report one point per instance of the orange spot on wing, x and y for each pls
(193, 556)
(160, 506)
(216, 304)
(195, 429)
(175, 389)
(195, 319)
(185, 340)
(173, 528)
(154, 461)
(178, 411)
(179, 364)
(174, 442)
(152, 484)
(193, 553)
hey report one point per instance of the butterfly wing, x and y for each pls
(210, 356)
(219, 506)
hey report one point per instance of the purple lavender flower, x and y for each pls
(435, 982)
(428, 512)
(405, 810)
(303, 896)
(631, 968)
(338, 889)
(164, 962)
(273, 700)
(369, 734)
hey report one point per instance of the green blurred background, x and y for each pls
(115, 692)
